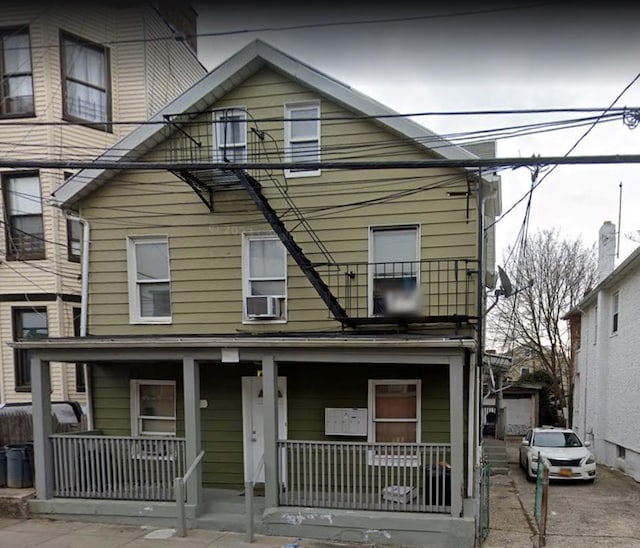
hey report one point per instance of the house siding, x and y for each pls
(310, 389)
(131, 95)
(607, 410)
(205, 248)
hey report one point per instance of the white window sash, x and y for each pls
(135, 283)
(373, 420)
(137, 418)
(221, 137)
(290, 113)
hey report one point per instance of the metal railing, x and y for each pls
(431, 289)
(114, 467)
(399, 477)
(178, 488)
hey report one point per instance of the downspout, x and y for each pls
(84, 307)
(471, 435)
(480, 289)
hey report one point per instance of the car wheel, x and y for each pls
(530, 476)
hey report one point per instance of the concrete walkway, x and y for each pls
(45, 533)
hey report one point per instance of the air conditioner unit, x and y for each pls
(402, 301)
(263, 307)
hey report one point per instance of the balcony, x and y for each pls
(411, 292)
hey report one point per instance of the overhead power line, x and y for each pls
(348, 165)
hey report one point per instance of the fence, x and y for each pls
(110, 467)
(366, 476)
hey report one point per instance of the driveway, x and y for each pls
(603, 514)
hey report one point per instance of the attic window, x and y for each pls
(302, 137)
(230, 130)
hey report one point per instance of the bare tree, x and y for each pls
(552, 275)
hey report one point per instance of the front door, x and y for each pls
(253, 413)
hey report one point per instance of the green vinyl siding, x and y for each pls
(310, 389)
(205, 247)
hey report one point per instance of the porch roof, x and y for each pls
(325, 348)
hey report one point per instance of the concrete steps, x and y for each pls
(14, 502)
(495, 453)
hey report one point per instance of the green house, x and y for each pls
(299, 339)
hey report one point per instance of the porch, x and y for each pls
(353, 482)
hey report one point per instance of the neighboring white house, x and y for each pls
(607, 356)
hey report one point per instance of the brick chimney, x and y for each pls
(606, 250)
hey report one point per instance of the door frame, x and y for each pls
(247, 449)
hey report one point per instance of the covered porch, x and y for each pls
(353, 482)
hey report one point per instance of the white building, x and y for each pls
(607, 354)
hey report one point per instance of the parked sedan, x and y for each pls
(561, 450)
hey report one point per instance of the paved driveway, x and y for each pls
(603, 514)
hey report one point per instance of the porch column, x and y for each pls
(191, 377)
(42, 428)
(270, 396)
(456, 408)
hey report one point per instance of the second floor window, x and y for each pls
(615, 303)
(265, 278)
(302, 137)
(149, 280)
(85, 81)
(74, 240)
(23, 210)
(28, 323)
(230, 129)
(16, 95)
(394, 269)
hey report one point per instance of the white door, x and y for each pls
(252, 415)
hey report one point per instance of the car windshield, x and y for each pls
(556, 439)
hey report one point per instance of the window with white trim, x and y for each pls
(615, 304)
(394, 271)
(230, 135)
(302, 137)
(149, 280)
(394, 410)
(153, 408)
(264, 276)
(86, 82)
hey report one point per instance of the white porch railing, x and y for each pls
(113, 467)
(396, 477)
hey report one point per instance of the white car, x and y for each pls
(561, 450)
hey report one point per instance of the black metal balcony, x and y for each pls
(410, 292)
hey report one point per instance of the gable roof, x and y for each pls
(226, 76)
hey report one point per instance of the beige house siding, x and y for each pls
(134, 94)
(205, 248)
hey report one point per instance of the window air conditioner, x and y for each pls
(402, 302)
(263, 307)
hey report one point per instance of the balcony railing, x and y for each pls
(110, 467)
(427, 291)
(398, 477)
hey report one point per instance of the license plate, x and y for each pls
(565, 472)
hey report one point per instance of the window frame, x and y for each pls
(137, 417)
(288, 152)
(135, 310)
(12, 252)
(371, 407)
(80, 378)
(71, 256)
(218, 152)
(246, 279)
(64, 78)
(21, 357)
(371, 258)
(15, 31)
(615, 312)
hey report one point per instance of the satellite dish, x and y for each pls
(505, 282)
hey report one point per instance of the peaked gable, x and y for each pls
(227, 76)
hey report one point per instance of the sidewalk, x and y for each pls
(45, 533)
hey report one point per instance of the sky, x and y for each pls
(540, 55)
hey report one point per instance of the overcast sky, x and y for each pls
(533, 57)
